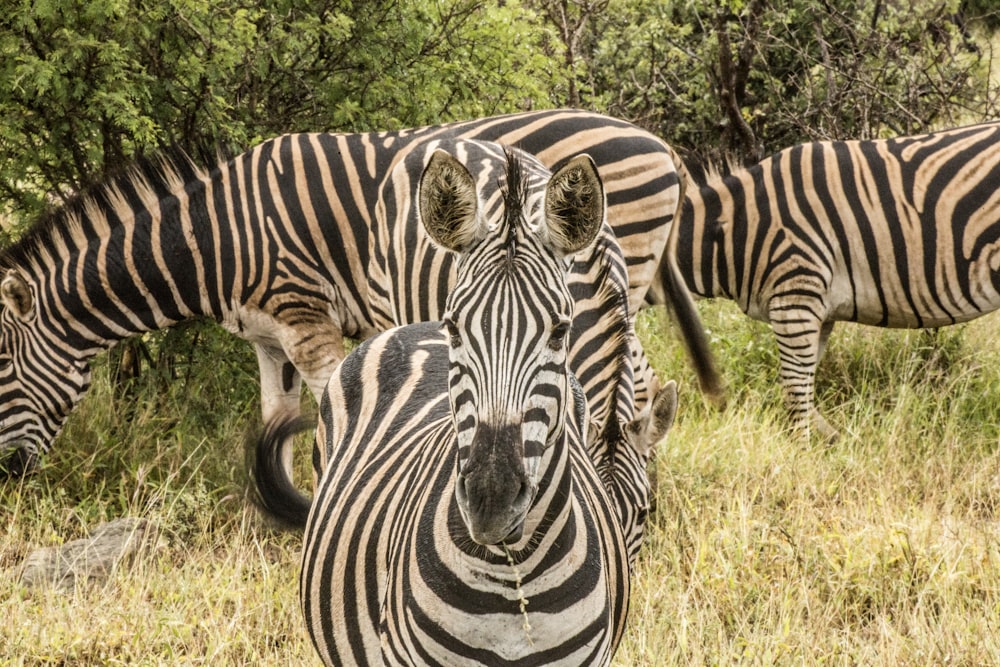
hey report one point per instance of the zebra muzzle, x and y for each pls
(17, 460)
(493, 515)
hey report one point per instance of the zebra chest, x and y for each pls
(450, 601)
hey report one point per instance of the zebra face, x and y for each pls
(40, 381)
(507, 320)
(508, 408)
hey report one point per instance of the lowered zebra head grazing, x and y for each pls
(81, 279)
(41, 380)
(508, 317)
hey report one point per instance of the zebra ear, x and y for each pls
(652, 427)
(16, 295)
(448, 205)
(574, 205)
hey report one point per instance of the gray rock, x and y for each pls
(89, 560)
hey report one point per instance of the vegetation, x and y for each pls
(881, 549)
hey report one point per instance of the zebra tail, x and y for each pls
(681, 305)
(673, 292)
(271, 487)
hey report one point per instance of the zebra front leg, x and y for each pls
(802, 332)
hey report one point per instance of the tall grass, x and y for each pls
(881, 549)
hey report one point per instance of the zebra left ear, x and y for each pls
(16, 295)
(447, 203)
(651, 428)
(574, 205)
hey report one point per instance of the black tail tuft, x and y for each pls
(673, 291)
(271, 488)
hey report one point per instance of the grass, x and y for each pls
(881, 549)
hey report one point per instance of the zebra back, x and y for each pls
(272, 244)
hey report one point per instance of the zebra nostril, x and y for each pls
(18, 462)
(461, 492)
(525, 495)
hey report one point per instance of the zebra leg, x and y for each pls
(802, 331)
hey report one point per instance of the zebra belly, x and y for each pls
(922, 303)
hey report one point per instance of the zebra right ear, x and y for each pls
(447, 203)
(652, 428)
(17, 296)
(574, 205)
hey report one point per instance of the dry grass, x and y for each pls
(882, 549)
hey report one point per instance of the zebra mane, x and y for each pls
(615, 324)
(513, 187)
(714, 169)
(96, 210)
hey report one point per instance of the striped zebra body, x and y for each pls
(390, 574)
(464, 521)
(627, 417)
(900, 232)
(605, 357)
(275, 245)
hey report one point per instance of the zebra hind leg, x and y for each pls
(801, 334)
(280, 389)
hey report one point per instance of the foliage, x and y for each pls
(86, 84)
(743, 78)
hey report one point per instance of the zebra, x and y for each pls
(275, 245)
(625, 424)
(463, 521)
(901, 232)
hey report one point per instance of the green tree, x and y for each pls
(743, 78)
(86, 84)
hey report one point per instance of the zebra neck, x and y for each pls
(135, 267)
(697, 237)
(720, 222)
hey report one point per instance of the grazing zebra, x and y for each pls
(464, 522)
(900, 232)
(275, 245)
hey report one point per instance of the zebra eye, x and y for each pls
(558, 338)
(454, 339)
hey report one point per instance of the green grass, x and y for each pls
(881, 549)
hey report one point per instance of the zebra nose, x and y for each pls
(494, 513)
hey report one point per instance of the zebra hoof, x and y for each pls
(815, 430)
(18, 462)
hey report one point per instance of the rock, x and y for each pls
(91, 559)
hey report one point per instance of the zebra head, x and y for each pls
(622, 447)
(41, 380)
(508, 317)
